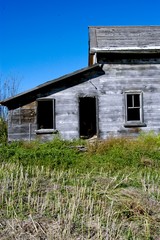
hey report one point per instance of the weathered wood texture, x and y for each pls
(22, 122)
(124, 37)
(107, 83)
(109, 90)
(54, 85)
(118, 79)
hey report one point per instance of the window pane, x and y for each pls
(136, 100)
(133, 114)
(129, 100)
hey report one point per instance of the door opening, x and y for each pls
(87, 117)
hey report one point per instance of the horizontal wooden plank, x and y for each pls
(109, 91)
(106, 37)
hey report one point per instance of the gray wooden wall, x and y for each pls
(109, 90)
(121, 37)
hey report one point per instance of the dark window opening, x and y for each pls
(87, 117)
(133, 115)
(133, 107)
(45, 114)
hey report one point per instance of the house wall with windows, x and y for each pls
(126, 102)
(132, 94)
(117, 95)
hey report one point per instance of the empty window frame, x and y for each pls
(133, 108)
(46, 114)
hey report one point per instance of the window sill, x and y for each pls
(134, 124)
(46, 131)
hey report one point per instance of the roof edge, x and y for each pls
(83, 70)
(147, 49)
(125, 26)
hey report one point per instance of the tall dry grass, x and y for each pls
(44, 203)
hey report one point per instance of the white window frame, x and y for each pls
(134, 123)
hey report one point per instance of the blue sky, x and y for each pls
(43, 39)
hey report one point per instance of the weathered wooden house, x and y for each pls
(118, 94)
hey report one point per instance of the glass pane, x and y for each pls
(136, 100)
(133, 114)
(129, 100)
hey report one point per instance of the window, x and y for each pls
(133, 109)
(45, 114)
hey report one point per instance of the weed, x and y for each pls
(3, 131)
(54, 191)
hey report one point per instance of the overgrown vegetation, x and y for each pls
(76, 190)
(3, 131)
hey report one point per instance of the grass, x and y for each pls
(56, 191)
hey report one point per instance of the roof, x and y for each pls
(124, 38)
(60, 83)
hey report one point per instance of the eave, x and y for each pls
(65, 81)
(136, 50)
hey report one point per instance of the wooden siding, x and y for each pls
(22, 123)
(109, 90)
(54, 85)
(112, 38)
(129, 60)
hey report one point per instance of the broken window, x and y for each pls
(133, 107)
(45, 114)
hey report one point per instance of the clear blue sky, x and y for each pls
(43, 39)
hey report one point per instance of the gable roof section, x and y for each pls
(58, 84)
(124, 38)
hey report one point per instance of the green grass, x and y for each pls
(55, 191)
(110, 155)
(3, 130)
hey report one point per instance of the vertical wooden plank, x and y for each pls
(97, 116)
(54, 118)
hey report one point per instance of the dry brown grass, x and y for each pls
(39, 203)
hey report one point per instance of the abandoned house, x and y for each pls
(118, 94)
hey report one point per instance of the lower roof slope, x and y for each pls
(44, 90)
